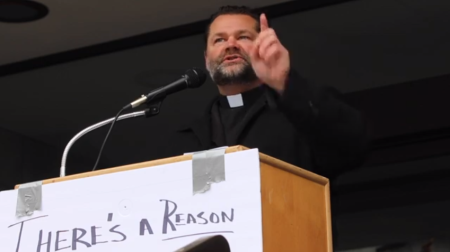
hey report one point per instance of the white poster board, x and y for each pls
(149, 209)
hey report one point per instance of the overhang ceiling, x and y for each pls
(75, 24)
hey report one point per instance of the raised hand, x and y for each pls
(270, 59)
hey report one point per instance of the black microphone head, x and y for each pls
(195, 77)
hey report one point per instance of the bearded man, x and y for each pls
(265, 104)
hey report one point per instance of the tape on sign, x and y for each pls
(207, 167)
(29, 198)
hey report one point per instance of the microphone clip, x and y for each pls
(153, 107)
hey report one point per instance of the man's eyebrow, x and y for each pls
(243, 31)
(218, 34)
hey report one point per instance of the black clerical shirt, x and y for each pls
(228, 122)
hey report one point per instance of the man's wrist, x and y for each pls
(280, 86)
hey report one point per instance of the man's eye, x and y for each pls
(218, 40)
(244, 37)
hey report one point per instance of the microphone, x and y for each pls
(193, 78)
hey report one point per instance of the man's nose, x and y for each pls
(232, 42)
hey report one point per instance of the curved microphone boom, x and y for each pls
(193, 78)
(89, 129)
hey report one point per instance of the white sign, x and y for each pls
(149, 209)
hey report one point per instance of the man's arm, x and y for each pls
(336, 132)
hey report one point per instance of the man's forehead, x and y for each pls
(234, 31)
(233, 22)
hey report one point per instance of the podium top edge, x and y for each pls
(263, 158)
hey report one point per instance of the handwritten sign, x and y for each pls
(149, 209)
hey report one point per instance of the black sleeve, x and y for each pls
(335, 131)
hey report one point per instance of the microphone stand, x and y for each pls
(153, 109)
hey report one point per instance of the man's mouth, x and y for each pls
(232, 58)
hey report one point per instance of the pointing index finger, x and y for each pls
(263, 22)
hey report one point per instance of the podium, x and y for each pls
(295, 204)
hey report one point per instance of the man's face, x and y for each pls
(228, 48)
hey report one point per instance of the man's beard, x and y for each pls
(223, 73)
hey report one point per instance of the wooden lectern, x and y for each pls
(295, 203)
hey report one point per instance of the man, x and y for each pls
(265, 104)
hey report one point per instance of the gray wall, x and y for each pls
(23, 159)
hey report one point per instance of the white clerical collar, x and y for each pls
(235, 101)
